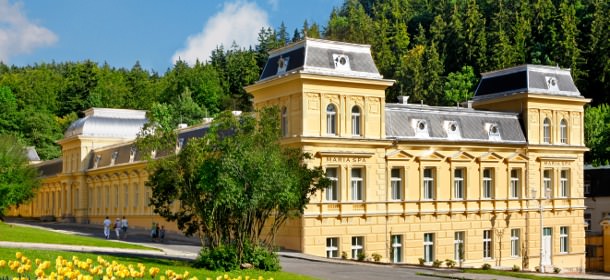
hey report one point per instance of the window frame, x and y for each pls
(396, 253)
(284, 121)
(428, 247)
(357, 184)
(564, 183)
(428, 184)
(331, 193)
(331, 119)
(332, 247)
(515, 183)
(487, 184)
(563, 131)
(396, 182)
(459, 188)
(564, 239)
(487, 244)
(357, 246)
(515, 242)
(547, 182)
(459, 245)
(546, 131)
(356, 121)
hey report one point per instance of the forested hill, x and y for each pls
(434, 49)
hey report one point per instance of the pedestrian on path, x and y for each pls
(124, 227)
(153, 232)
(107, 224)
(162, 234)
(117, 228)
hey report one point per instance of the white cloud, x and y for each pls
(18, 35)
(275, 4)
(238, 22)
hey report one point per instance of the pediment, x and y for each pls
(431, 156)
(490, 157)
(461, 156)
(517, 157)
(399, 155)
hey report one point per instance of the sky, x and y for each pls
(156, 33)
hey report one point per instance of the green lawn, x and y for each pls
(29, 234)
(163, 264)
(523, 275)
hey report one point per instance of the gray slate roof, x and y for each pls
(472, 125)
(106, 122)
(316, 56)
(537, 79)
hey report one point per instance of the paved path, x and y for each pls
(180, 247)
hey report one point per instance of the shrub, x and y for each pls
(556, 269)
(437, 263)
(450, 263)
(219, 258)
(225, 258)
(421, 261)
(344, 255)
(516, 268)
(486, 266)
(361, 256)
(376, 257)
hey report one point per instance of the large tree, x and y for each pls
(236, 185)
(18, 179)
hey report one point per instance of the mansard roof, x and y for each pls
(106, 122)
(452, 124)
(316, 56)
(536, 79)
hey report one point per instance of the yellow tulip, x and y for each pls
(18, 255)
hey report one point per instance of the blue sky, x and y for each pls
(154, 32)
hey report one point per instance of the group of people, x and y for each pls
(157, 233)
(119, 226)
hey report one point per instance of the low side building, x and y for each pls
(499, 181)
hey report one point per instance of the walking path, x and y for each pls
(177, 246)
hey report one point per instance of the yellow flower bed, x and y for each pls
(88, 269)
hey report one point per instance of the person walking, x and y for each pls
(107, 224)
(124, 227)
(117, 228)
(153, 232)
(162, 234)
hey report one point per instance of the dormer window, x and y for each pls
(420, 127)
(452, 129)
(551, 83)
(493, 131)
(341, 62)
(282, 65)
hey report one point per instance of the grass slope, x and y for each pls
(28, 234)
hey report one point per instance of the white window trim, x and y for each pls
(487, 184)
(458, 184)
(357, 184)
(396, 192)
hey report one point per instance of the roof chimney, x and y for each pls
(403, 99)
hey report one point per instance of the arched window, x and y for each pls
(331, 119)
(546, 131)
(563, 131)
(356, 121)
(284, 121)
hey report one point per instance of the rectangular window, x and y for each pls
(357, 246)
(564, 184)
(587, 186)
(107, 188)
(136, 195)
(332, 192)
(547, 183)
(487, 249)
(396, 184)
(515, 183)
(563, 239)
(428, 183)
(458, 245)
(126, 188)
(587, 221)
(458, 183)
(396, 248)
(428, 247)
(357, 184)
(515, 244)
(116, 200)
(332, 247)
(487, 183)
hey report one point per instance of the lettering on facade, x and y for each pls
(556, 163)
(346, 159)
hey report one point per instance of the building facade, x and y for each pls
(498, 181)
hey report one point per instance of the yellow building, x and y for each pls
(498, 181)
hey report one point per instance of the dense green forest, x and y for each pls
(434, 49)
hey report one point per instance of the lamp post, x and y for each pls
(546, 194)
